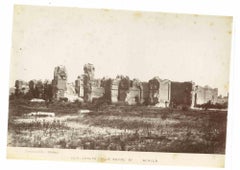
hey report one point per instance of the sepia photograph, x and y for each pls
(118, 86)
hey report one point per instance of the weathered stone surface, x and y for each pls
(93, 90)
(92, 87)
(123, 88)
(89, 71)
(154, 85)
(181, 94)
(114, 90)
(59, 82)
(111, 89)
(205, 95)
(70, 94)
(107, 85)
(159, 92)
(97, 92)
(133, 96)
(70, 89)
(87, 88)
(79, 86)
(88, 81)
(135, 93)
(60, 73)
(145, 91)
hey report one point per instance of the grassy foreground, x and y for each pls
(122, 128)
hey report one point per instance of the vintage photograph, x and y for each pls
(115, 80)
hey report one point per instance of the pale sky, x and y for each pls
(138, 44)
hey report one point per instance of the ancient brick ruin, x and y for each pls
(159, 92)
(111, 89)
(135, 93)
(79, 86)
(182, 93)
(206, 94)
(92, 87)
(59, 82)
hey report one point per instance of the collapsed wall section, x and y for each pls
(97, 90)
(135, 93)
(159, 92)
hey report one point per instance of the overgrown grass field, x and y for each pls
(122, 128)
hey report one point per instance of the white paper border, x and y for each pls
(209, 7)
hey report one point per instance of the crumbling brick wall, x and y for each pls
(111, 89)
(123, 88)
(79, 86)
(145, 92)
(89, 71)
(159, 92)
(154, 85)
(165, 93)
(181, 94)
(88, 82)
(97, 90)
(205, 95)
(135, 93)
(211, 94)
(59, 82)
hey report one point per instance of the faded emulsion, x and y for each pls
(144, 83)
(120, 114)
